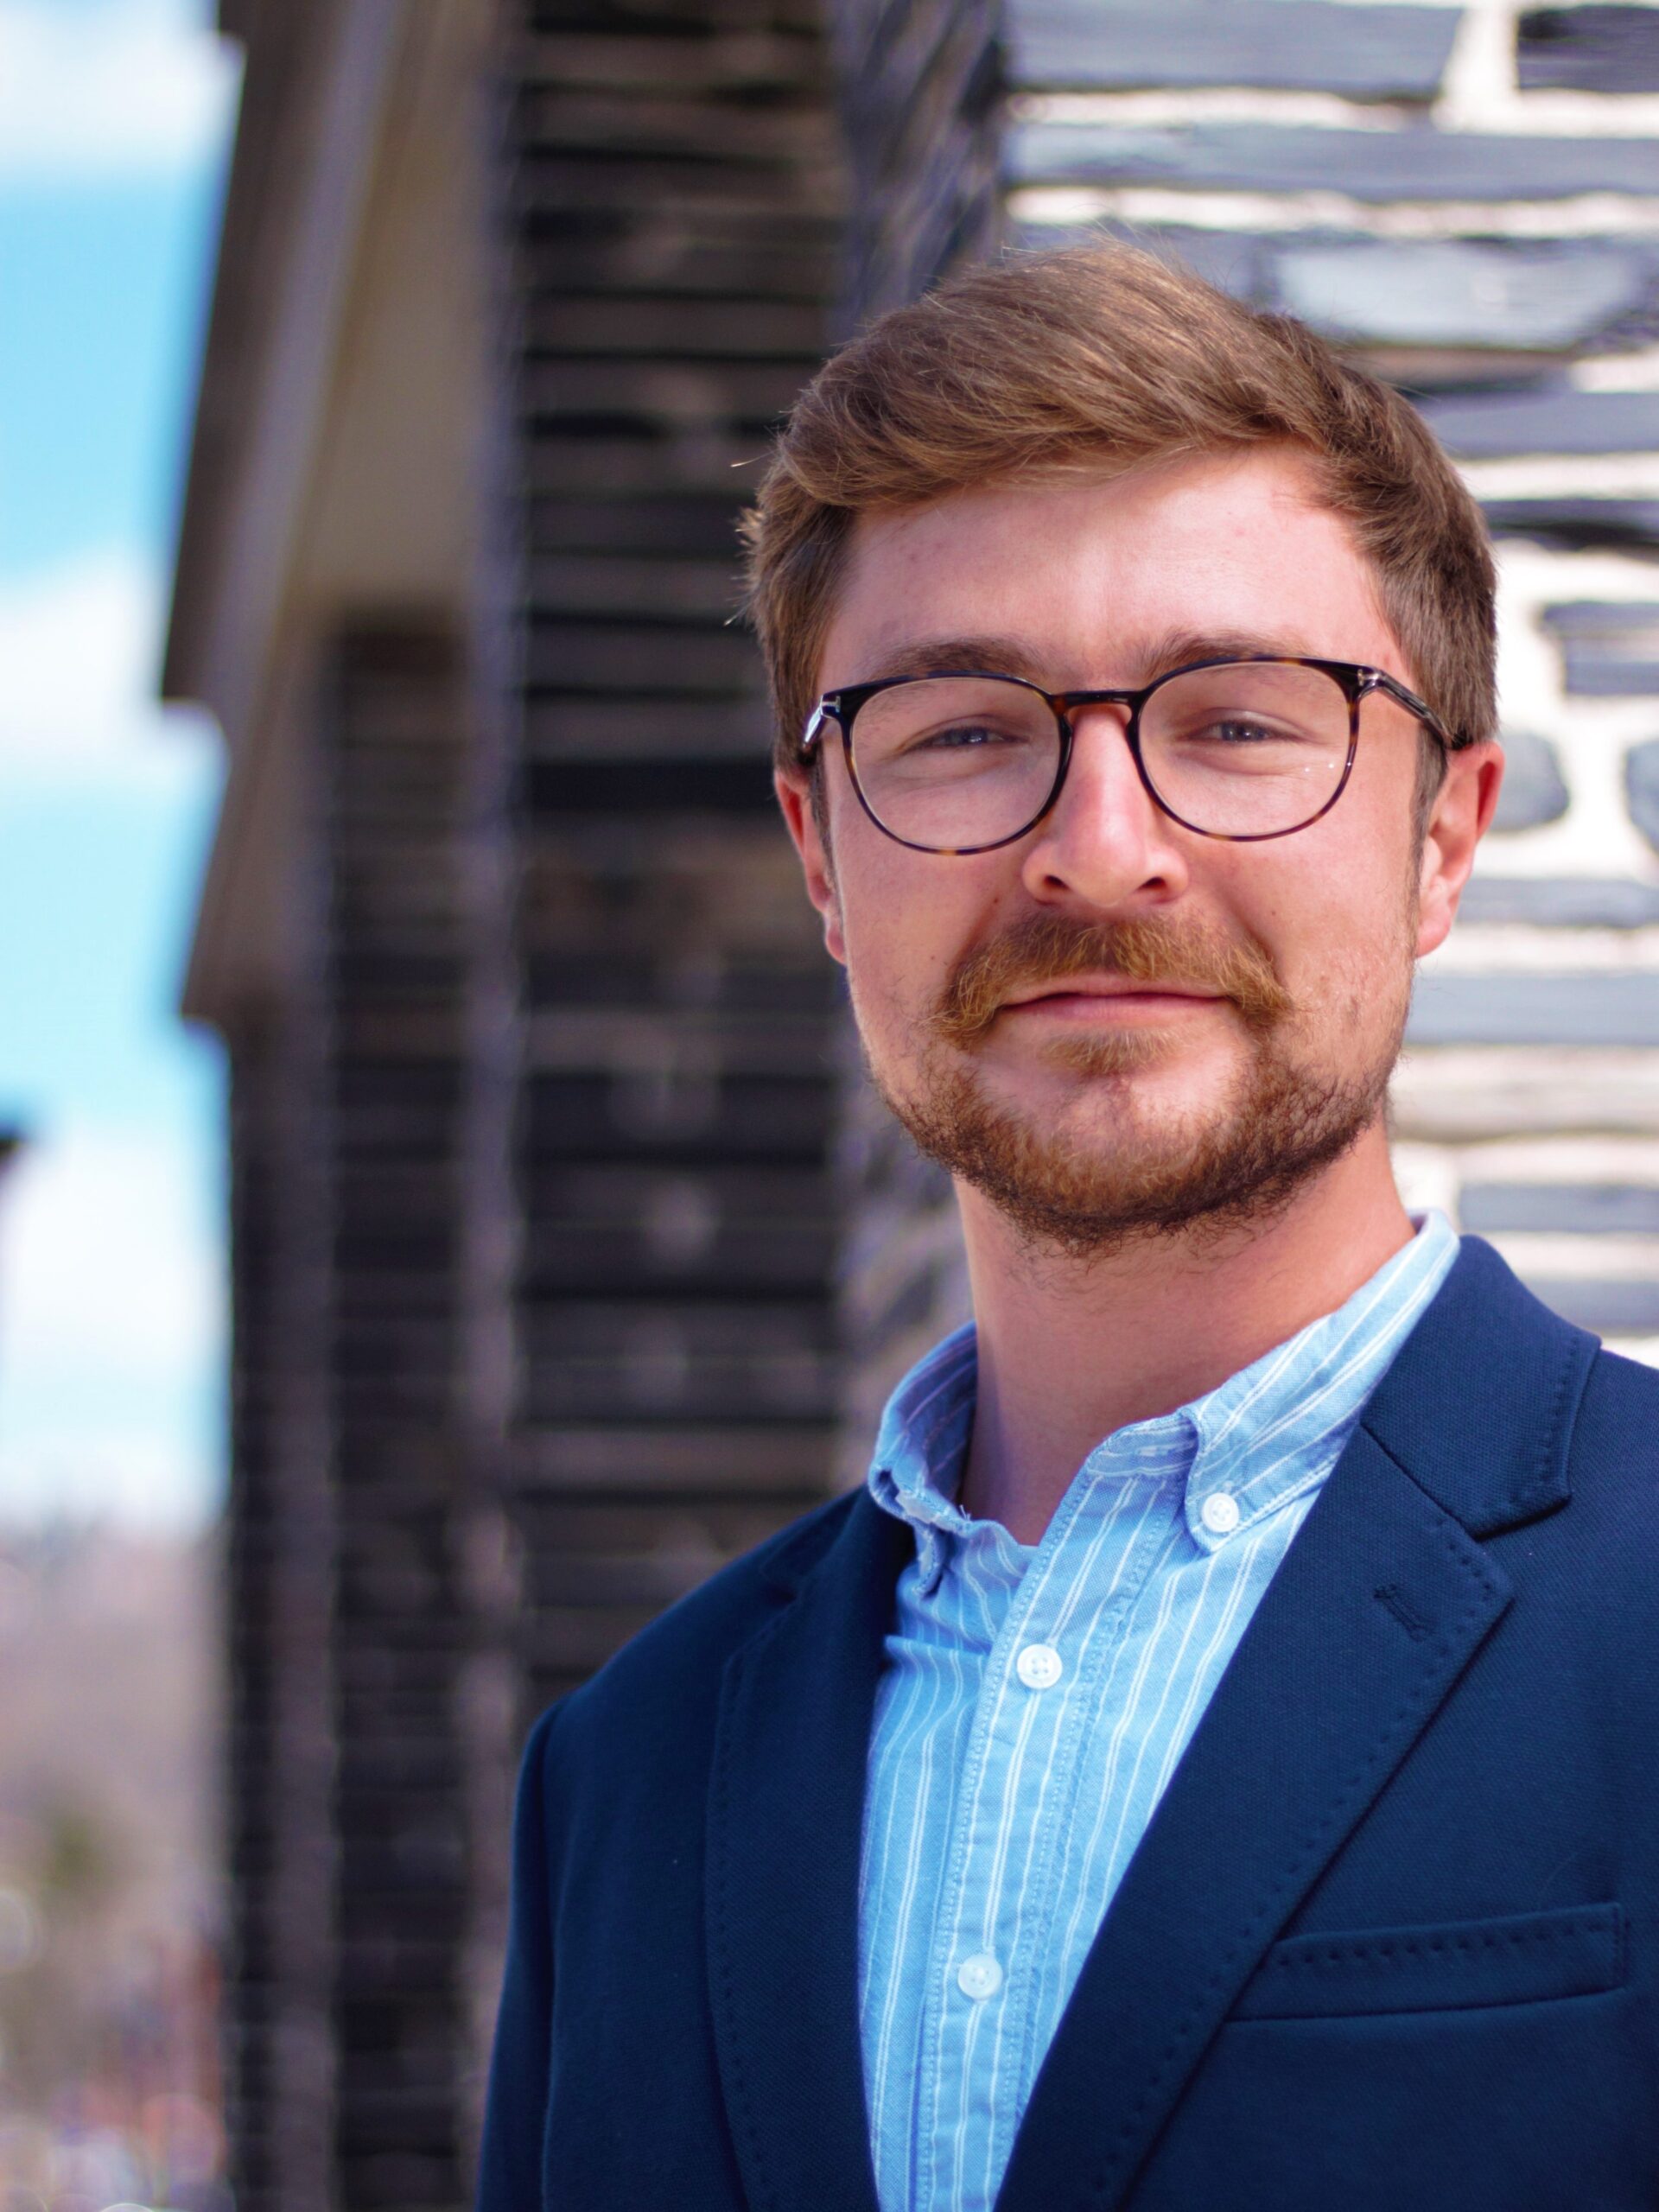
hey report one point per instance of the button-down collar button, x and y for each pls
(1039, 1666)
(1219, 1513)
(979, 1977)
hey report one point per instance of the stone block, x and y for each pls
(1592, 50)
(1533, 791)
(1362, 53)
(1459, 292)
(1381, 166)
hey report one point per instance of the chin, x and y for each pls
(1143, 1073)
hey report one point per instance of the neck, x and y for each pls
(1071, 1349)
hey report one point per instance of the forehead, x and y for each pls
(1088, 574)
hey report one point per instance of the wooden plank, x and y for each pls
(678, 393)
(1362, 53)
(1577, 526)
(705, 657)
(1641, 788)
(1588, 49)
(1617, 902)
(1533, 791)
(678, 1112)
(1470, 1094)
(677, 125)
(1578, 1209)
(582, 1040)
(724, 330)
(1487, 425)
(734, 1259)
(638, 186)
(622, 1460)
(1239, 262)
(651, 733)
(1366, 165)
(637, 1383)
(1566, 1010)
(1608, 649)
(573, 1526)
(664, 522)
(797, 261)
(678, 783)
(707, 459)
(696, 65)
(623, 584)
(1460, 292)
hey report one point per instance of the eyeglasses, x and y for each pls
(960, 762)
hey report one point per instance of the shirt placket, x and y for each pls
(1021, 1773)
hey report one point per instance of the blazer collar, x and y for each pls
(1480, 1404)
(784, 1833)
(1384, 1599)
(1382, 1603)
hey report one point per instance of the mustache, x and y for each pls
(1051, 948)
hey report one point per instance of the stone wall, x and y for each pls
(1467, 198)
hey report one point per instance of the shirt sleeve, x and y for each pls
(515, 2120)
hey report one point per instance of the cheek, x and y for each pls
(907, 919)
(1337, 919)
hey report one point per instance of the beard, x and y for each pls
(1134, 1175)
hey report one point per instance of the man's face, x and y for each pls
(1115, 1025)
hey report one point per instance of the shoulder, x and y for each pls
(659, 1692)
(1600, 1555)
(1614, 1462)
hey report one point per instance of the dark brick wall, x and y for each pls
(348, 1630)
(279, 1554)
(673, 193)
(393, 742)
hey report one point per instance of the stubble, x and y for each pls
(1131, 1174)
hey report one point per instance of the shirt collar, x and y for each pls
(1256, 1441)
(1276, 1426)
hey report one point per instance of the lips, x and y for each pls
(1115, 988)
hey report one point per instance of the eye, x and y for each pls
(1243, 729)
(963, 736)
(1240, 732)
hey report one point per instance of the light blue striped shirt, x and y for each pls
(1035, 1700)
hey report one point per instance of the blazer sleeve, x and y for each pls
(515, 2119)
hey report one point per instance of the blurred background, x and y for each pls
(441, 1218)
(115, 129)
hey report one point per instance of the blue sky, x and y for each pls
(114, 122)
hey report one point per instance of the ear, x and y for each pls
(1461, 817)
(794, 790)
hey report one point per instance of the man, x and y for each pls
(1212, 1765)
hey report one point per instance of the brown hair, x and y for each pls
(1100, 359)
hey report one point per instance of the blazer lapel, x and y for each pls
(1378, 1608)
(784, 1823)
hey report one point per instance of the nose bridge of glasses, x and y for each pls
(1069, 703)
(1076, 709)
(1102, 781)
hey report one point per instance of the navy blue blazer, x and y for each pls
(1390, 1943)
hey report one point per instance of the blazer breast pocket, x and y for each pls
(1458, 1966)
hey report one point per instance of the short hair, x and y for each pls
(1098, 359)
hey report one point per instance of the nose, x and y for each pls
(1104, 844)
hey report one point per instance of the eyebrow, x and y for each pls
(936, 656)
(991, 656)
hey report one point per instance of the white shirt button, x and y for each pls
(1219, 1513)
(979, 1977)
(1039, 1666)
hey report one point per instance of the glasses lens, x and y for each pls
(1248, 749)
(953, 762)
